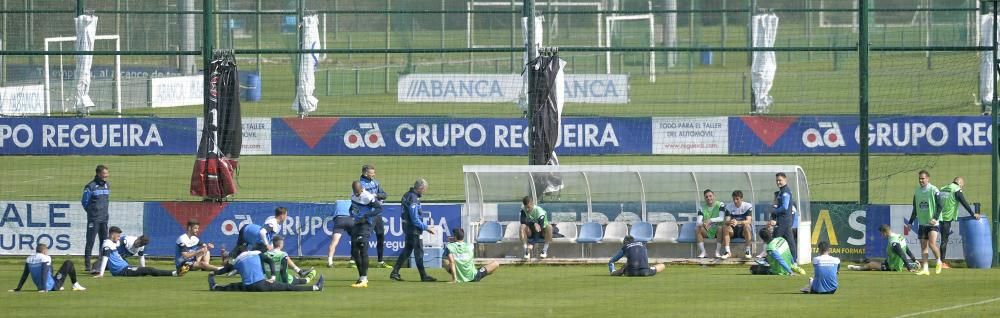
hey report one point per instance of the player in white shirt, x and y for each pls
(190, 253)
(39, 267)
(128, 246)
(738, 224)
(113, 259)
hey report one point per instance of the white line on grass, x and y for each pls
(39, 179)
(950, 308)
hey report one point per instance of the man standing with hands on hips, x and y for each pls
(413, 226)
(95, 202)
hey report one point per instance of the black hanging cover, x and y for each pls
(222, 132)
(545, 119)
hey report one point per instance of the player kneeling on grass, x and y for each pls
(190, 253)
(283, 262)
(897, 254)
(113, 260)
(637, 263)
(779, 259)
(458, 261)
(249, 264)
(39, 266)
(825, 268)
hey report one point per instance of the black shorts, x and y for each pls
(640, 272)
(362, 231)
(738, 231)
(923, 232)
(343, 224)
(534, 234)
(480, 274)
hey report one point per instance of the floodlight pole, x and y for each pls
(863, 48)
(532, 52)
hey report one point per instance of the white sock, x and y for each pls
(329, 260)
(363, 278)
(545, 248)
(525, 246)
(925, 266)
(315, 288)
(174, 273)
(727, 249)
(701, 247)
(717, 247)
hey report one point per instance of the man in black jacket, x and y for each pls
(413, 226)
(95, 202)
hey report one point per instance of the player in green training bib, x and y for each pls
(458, 260)
(534, 225)
(710, 217)
(951, 196)
(927, 212)
(898, 257)
(283, 262)
(779, 256)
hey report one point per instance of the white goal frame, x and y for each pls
(470, 17)
(610, 24)
(116, 77)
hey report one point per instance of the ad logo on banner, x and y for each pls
(498, 88)
(99, 136)
(690, 135)
(60, 225)
(307, 231)
(841, 135)
(22, 100)
(447, 136)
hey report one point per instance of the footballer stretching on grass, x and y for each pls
(637, 260)
(458, 260)
(113, 260)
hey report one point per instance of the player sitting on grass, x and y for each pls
(534, 225)
(190, 253)
(39, 266)
(113, 260)
(897, 254)
(130, 246)
(637, 263)
(458, 260)
(249, 264)
(825, 268)
(779, 257)
(283, 262)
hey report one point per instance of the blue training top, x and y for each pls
(40, 267)
(249, 266)
(826, 267)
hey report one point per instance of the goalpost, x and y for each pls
(611, 22)
(470, 17)
(48, 86)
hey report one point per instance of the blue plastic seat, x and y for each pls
(642, 232)
(590, 232)
(490, 232)
(688, 232)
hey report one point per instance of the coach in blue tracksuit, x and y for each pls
(782, 215)
(413, 226)
(95, 202)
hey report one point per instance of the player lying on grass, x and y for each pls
(114, 260)
(283, 263)
(249, 264)
(459, 262)
(39, 267)
(825, 268)
(779, 259)
(898, 255)
(190, 253)
(637, 263)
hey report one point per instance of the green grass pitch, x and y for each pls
(520, 291)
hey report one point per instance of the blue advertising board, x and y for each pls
(307, 230)
(840, 135)
(97, 136)
(453, 136)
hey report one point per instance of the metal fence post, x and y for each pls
(863, 47)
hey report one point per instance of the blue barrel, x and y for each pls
(706, 57)
(250, 86)
(976, 241)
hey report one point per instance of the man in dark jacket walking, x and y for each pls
(95, 202)
(413, 226)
